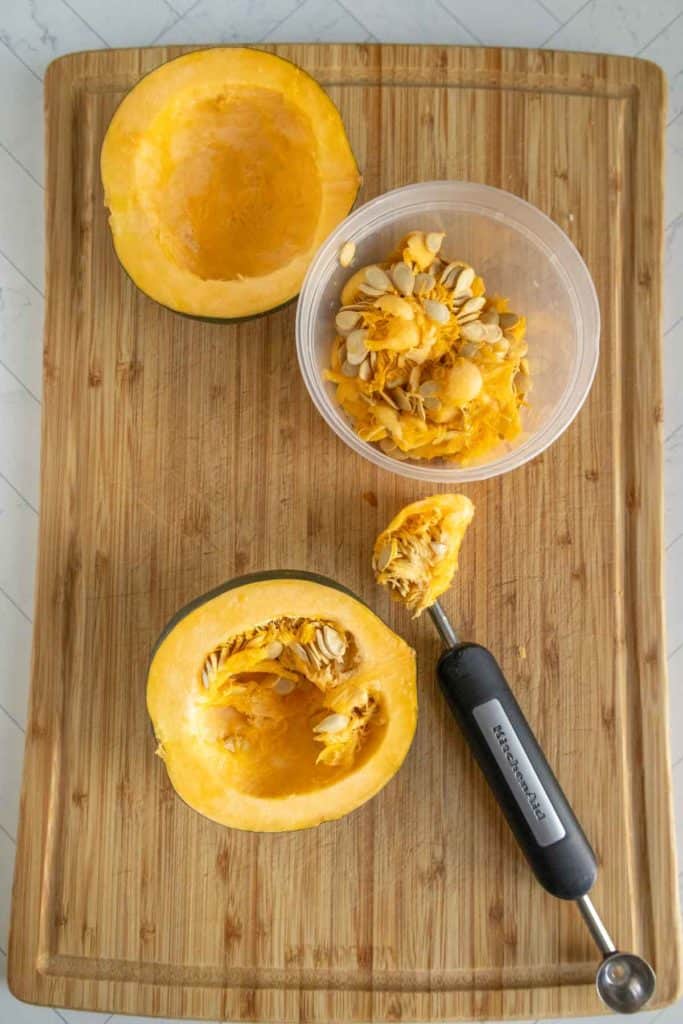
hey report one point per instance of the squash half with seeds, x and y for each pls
(223, 171)
(280, 701)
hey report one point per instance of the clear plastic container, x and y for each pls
(521, 254)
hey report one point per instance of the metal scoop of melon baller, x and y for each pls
(531, 799)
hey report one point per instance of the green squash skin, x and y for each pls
(287, 302)
(241, 581)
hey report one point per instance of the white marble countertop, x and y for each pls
(32, 33)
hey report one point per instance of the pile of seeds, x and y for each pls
(309, 648)
(426, 364)
(252, 671)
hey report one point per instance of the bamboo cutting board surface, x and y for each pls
(178, 454)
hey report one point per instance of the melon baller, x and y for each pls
(531, 799)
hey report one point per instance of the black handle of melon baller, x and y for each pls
(515, 767)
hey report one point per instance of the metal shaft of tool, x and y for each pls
(601, 936)
(443, 626)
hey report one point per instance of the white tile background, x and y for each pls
(32, 33)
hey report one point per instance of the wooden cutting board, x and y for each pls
(177, 454)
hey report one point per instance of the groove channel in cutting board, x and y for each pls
(177, 454)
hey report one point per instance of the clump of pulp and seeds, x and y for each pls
(417, 555)
(287, 675)
(427, 365)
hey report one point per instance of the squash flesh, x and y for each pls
(276, 772)
(239, 193)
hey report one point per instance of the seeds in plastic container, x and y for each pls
(426, 363)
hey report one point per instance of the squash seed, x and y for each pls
(364, 370)
(346, 320)
(376, 278)
(402, 400)
(320, 644)
(448, 274)
(469, 349)
(403, 278)
(474, 331)
(385, 555)
(332, 723)
(356, 349)
(299, 650)
(346, 254)
(335, 643)
(438, 548)
(414, 379)
(321, 655)
(348, 369)
(492, 332)
(464, 281)
(508, 320)
(472, 306)
(387, 445)
(432, 402)
(423, 284)
(433, 240)
(283, 686)
(368, 289)
(429, 388)
(274, 650)
(490, 316)
(436, 311)
(468, 319)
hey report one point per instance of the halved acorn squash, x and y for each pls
(280, 701)
(223, 171)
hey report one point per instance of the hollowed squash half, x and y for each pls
(223, 171)
(280, 701)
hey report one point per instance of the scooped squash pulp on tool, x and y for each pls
(417, 555)
(280, 701)
(223, 171)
